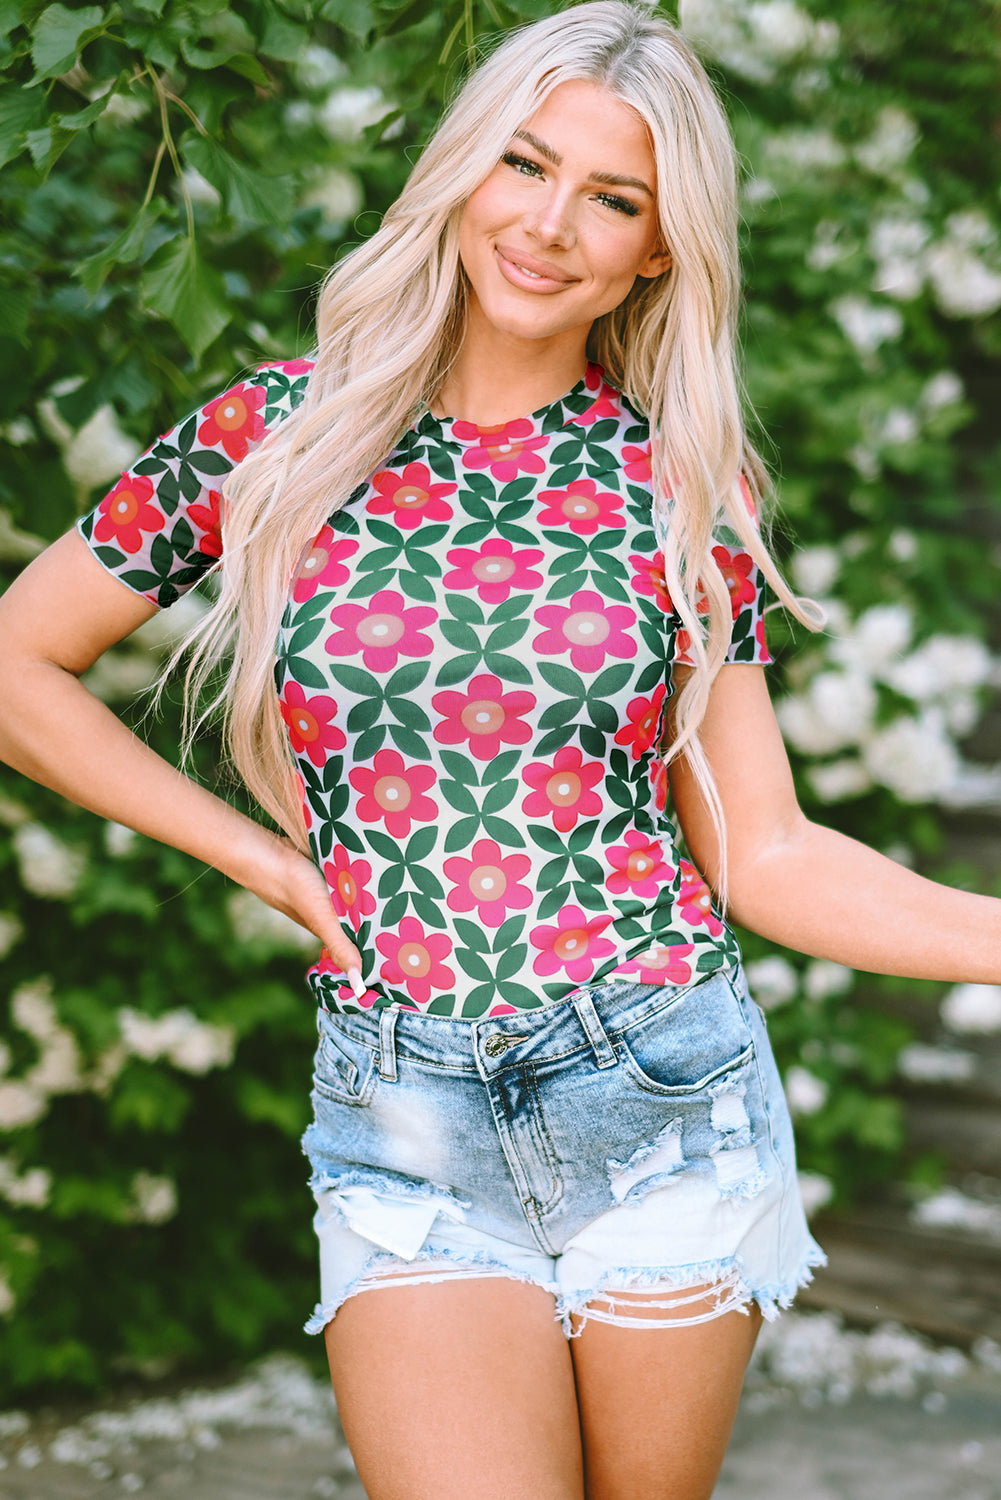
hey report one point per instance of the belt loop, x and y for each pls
(604, 1052)
(387, 1042)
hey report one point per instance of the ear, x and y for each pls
(656, 263)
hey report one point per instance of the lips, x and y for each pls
(528, 271)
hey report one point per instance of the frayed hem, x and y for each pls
(458, 1266)
(722, 1279)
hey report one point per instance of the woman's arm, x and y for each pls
(807, 886)
(55, 621)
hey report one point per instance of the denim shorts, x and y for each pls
(629, 1136)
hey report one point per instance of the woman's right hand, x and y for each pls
(298, 889)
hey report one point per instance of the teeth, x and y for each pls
(527, 272)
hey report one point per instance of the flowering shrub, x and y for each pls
(174, 176)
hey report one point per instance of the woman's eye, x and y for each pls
(622, 205)
(521, 164)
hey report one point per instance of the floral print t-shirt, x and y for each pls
(473, 666)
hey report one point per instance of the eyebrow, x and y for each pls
(609, 179)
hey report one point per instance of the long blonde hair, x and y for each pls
(391, 319)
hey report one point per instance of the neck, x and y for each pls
(496, 377)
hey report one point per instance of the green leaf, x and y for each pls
(354, 16)
(125, 248)
(60, 34)
(20, 110)
(16, 303)
(181, 288)
(247, 194)
(46, 146)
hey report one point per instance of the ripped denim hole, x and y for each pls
(739, 1174)
(396, 1218)
(632, 1307)
(649, 1166)
(728, 1112)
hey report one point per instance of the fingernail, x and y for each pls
(356, 982)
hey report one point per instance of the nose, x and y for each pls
(550, 219)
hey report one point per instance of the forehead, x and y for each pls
(586, 123)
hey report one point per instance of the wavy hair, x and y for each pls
(391, 318)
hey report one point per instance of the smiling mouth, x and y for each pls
(528, 268)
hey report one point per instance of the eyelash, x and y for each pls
(610, 200)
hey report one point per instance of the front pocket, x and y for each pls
(698, 1035)
(343, 1065)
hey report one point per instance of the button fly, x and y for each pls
(494, 1046)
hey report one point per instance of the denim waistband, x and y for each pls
(588, 1018)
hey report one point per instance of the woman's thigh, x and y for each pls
(455, 1389)
(657, 1404)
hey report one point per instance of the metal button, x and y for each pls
(495, 1045)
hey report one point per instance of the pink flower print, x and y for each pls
(415, 959)
(505, 450)
(695, 902)
(644, 717)
(382, 630)
(307, 816)
(488, 881)
(764, 655)
(345, 994)
(638, 866)
(347, 880)
(648, 578)
(485, 716)
(659, 783)
(637, 463)
(494, 569)
(410, 497)
(502, 1010)
(663, 963)
(394, 792)
(588, 628)
(234, 420)
(309, 723)
(290, 366)
(323, 563)
(683, 649)
(124, 514)
(206, 518)
(575, 945)
(605, 403)
(582, 506)
(736, 568)
(564, 789)
(747, 497)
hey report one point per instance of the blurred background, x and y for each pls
(175, 179)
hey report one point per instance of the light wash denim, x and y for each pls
(630, 1136)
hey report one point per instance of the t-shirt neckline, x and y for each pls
(459, 429)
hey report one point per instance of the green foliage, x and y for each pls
(176, 177)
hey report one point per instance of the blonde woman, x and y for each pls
(488, 565)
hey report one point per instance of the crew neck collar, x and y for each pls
(579, 404)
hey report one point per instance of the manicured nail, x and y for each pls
(356, 982)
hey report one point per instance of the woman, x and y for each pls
(548, 1126)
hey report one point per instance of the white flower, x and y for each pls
(805, 1092)
(33, 1009)
(943, 389)
(57, 1070)
(28, 1190)
(899, 426)
(5, 1058)
(318, 67)
(200, 190)
(20, 1104)
(758, 189)
(754, 39)
(814, 1190)
(897, 246)
(814, 569)
(337, 193)
(902, 545)
(924, 1064)
(913, 757)
(193, 1046)
(154, 1199)
(940, 667)
(772, 981)
(803, 152)
(17, 432)
(972, 1008)
(47, 867)
(866, 324)
(119, 840)
(17, 546)
(830, 245)
(346, 112)
(835, 711)
(877, 638)
(824, 978)
(964, 286)
(972, 229)
(11, 932)
(253, 920)
(890, 144)
(124, 109)
(837, 780)
(99, 451)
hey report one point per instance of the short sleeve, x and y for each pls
(748, 600)
(158, 529)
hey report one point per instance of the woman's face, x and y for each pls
(567, 219)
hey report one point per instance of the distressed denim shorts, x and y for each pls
(629, 1137)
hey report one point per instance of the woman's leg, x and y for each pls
(657, 1404)
(457, 1390)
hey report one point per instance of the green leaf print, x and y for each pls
(552, 903)
(363, 715)
(361, 684)
(416, 586)
(559, 714)
(305, 635)
(391, 881)
(472, 935)
(457, 669)
(619, 794)
(588, 868)
(371, 583)
(427, 882)
(552, 873)
(429, 913)
(510, 609)
(562, 477)
(592, 741)
(378, 558)
(383, 845)
(394, 911)
(500, 767)
(421, 843)
(564, 587)
(472, 964)
(460, 635)
(408, 742)
(499, 795)
(507, 933)
(477, 1002)
(591, 899)
(653, 674)
(509, 668)
(466, 609)
(506, 635)
(603, 716)
(547, 839)
(517, 489)
(370, 743)
(208, 461)
(583, 837)
(461, 835)
(502, 831)
(459, 767)
(460, 797)
(511, 962)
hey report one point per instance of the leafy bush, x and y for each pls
(176, 177)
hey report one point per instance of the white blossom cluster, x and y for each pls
(834, 711)
(961, 265)
(757, 39)
(153, 1201)
(94, 454)
(178, 1037)
(57, 1068)
(254, 921)
(774, 981)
